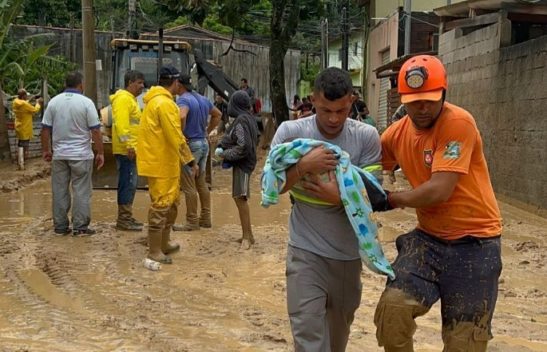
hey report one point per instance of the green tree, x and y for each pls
(24, 63)
(56, 13)
(9, 10)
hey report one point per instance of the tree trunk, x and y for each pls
(4, 139)
(277, 81)
(285, 15)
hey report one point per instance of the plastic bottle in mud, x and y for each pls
(151, 264)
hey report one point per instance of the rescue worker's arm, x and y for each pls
(315, 162)
(216, 114)
(28, 107)
(45, 137)
(97, 138)
(437, 190)
(183, 114)
(171, 124)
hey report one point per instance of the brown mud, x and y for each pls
(93, 294)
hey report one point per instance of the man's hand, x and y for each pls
(47, 155)
(194, 170)
(327, 190)
(99, 161)
(131, 154)
(317, 161)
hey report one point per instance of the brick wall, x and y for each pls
(505, 89)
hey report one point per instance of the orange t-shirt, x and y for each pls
(453, 144)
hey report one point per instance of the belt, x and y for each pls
(462, 240)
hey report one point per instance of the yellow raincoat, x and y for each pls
(24, 111)
(126, 115)
(161, 147)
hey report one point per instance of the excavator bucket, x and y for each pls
(107, 176)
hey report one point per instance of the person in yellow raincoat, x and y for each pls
(24, 111)
(162, 150)
(126, 115)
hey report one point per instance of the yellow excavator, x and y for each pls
(143, 55)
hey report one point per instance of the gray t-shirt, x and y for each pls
(326, 230)
(71, 116)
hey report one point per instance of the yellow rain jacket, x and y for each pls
(126, 115)
(161, 147)
(24, 111)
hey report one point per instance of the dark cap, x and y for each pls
(186, 81)
(169, 71)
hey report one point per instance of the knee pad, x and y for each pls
(465, 337)
(394, 320)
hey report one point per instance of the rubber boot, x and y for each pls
(124, 222)
(247, 239)
(21, 158)
(136, 222)
(133, 220)
(205, 202)
(188, 185)
(157, 218)
(166, 245)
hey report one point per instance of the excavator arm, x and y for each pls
(209, 74)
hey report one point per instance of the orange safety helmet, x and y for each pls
(421, 77)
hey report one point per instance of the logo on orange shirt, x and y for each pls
(428, 157)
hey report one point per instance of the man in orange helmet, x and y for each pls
(454, 252)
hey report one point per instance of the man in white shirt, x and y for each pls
(71, 122)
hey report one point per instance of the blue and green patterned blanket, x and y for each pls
(352, 191)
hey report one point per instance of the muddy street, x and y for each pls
(93, 294)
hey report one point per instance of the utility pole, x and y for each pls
(324, 43)
(345, 36)
(131, 32)
(88, 37)
(160, 50)
(407, 9)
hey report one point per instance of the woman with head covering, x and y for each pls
(238, 148)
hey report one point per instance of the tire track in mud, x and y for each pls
(95, 293)
(40, 276)
(46, 280)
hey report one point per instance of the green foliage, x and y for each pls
(25, 62)
(56, 13)
(310, 72)
(111, 15)
(8, 12)
(212, 23)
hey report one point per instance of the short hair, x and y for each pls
(132, 76)
(244, 80)
(166, 81)
(334, 83)
(73, 79)
(21, 93)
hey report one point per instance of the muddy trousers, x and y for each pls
(463, 274)
(75, 176)
(165, 197)
(322, 297)
(192, 188)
